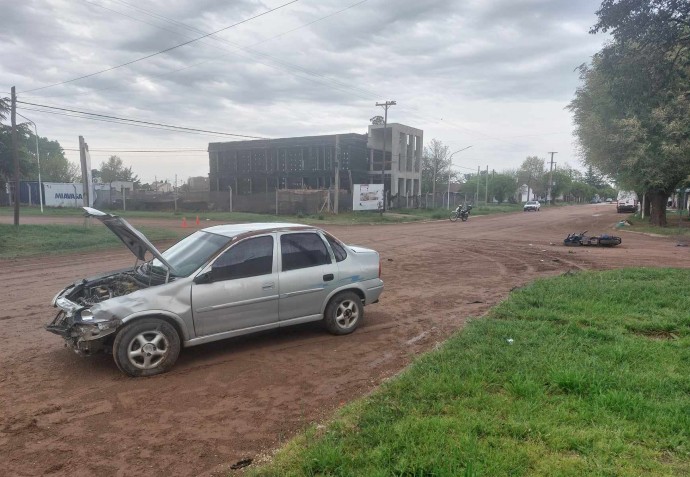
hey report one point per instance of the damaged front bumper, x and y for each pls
(83, 336)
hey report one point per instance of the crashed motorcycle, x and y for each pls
(461, 212)
(603, 240)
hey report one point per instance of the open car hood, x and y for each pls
(131, 237)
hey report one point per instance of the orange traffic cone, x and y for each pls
(184, 222)
(197, 220)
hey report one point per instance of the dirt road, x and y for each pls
(237, 399)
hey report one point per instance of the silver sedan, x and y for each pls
(219, 282)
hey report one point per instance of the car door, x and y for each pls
(239, 289)
(307, 274)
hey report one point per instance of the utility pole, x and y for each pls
(551, 201)
(385, 105)
(450, 167)
(337, 174)
(486, 190)
(15, 154)
(476, 195)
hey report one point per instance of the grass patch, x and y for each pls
(30, 240)
(585, 388)
(678, 224)
(346, 218)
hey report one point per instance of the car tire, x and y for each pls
(343, 313)
(146, 347)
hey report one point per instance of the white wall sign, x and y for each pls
(63, 195)
(367, 196)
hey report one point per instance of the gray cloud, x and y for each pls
(479, 65)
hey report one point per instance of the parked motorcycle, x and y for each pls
(462, 212)
(603, 240)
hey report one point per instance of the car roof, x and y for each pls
(232, 230)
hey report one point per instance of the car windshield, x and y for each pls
(192, 252)
(532, 202)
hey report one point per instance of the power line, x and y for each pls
(280, 64)
(138, 121)
(163, 51)
(137, 150)
(57, 113)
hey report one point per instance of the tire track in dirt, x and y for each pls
(224, 401)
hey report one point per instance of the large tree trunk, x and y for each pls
(657, 200)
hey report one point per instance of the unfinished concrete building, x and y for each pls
(403, 166)
(262, 166)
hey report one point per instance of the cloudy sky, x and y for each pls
(493, 74)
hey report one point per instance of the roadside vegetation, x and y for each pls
(345, 218)
(30, 240)
(677, 225)
(583, 374)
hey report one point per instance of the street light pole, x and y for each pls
(385, 106)
(450, 165)
(38, 160)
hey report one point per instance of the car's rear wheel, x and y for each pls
(146, 347)
(343, 313)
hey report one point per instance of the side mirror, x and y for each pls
(203, 278)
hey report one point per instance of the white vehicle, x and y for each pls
(627, 202)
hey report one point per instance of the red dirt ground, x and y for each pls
(241, 398)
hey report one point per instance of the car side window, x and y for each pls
(303, 250)
(338, 249)
(249, 258)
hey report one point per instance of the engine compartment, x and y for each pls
(95, 291)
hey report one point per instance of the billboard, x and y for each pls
(63, 194)
(367, 196)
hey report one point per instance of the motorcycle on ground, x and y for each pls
(461, 212)
(603, 240)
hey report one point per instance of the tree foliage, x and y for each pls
(114, 170)
(435, 166)
(502, 187)
(631, 108)
(54, 165)
(531, 172)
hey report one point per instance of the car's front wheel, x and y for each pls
(343, 313)
(146, 347)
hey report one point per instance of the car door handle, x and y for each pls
(267, 286)
(328, 277)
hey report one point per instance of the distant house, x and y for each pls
(198, 184)
(162, 186)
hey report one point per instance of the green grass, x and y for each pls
(677, 224)
(345, 218)
(30, 240)
(596, 382)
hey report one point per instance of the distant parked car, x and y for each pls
(532, 205)
(219, 282)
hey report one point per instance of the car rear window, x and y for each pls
(303, 250)
(338, 249)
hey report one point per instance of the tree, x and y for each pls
(531, 172)
(54, 165)
(631, 110)
(502, 187)
(114, 170)
(435, 165)
(561, 183)
(629, 123)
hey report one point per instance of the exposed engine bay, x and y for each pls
(96, 291)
